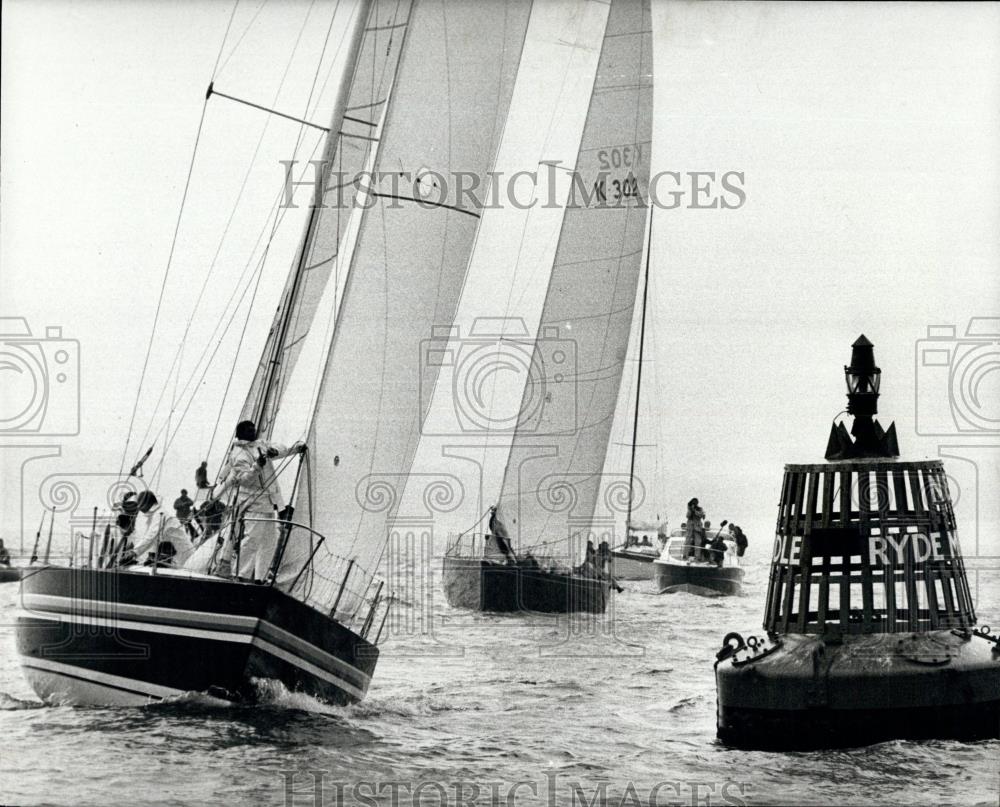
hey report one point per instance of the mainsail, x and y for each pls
(481, 360)
(445, 117)
(553, 478)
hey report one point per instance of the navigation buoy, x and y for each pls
(869, 618)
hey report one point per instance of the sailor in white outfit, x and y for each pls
(157, 532)
(249, 473)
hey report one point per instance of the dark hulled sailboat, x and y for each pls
(338, 371)
(553, 476)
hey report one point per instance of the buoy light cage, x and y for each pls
(866, 544)
(867, 547)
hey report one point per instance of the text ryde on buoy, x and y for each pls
(889, 549)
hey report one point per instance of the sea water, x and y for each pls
(478, 709)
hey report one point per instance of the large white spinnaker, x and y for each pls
(553, 480)
(446, 116)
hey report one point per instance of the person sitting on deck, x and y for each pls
(160, 536)
(645, 541)
(249, 473)
(4, 554)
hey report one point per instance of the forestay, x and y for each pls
(553, 478)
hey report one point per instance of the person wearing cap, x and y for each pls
(249, 475)
(158, 538)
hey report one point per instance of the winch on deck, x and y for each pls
(868, 612)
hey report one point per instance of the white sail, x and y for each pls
(446, 115)
(553, 478)
(483, 356)
(348, 152)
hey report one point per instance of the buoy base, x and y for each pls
(775, 730)
(814, 692)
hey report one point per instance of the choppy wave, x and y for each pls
(571, 702)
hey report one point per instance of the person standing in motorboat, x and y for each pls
(694, 531)
(249, 473)
(740, 538)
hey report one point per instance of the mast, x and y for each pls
(345, 79)
(638, 379)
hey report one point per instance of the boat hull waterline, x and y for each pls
(485, 585)
(697, 578)
(103, 637)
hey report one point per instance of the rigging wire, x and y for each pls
(277, 222)
(170, 256)
(163, 286)
(239, 41)
(177, 362)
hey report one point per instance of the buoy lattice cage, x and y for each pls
(867, 546)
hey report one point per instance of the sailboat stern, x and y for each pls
(481, 584)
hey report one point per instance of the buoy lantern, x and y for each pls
(869, 618)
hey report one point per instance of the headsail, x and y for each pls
(446, 116)
(347, 153)
(554, 472)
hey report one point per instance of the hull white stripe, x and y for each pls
(110, 611)
(277, 652)
(105, 679)
(113, 607)
(295, 641)
(128, 624)
(254, 641)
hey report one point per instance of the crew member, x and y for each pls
(201, 476)
(4, 554)
(741, 540)
(249, 473)
(718, 549)
(158, 534)
(694, 532)
(498, 536)
(182, 507)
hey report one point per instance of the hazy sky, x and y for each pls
(868, 137)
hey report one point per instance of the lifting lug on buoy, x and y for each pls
(983, 632)
(728, 650)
